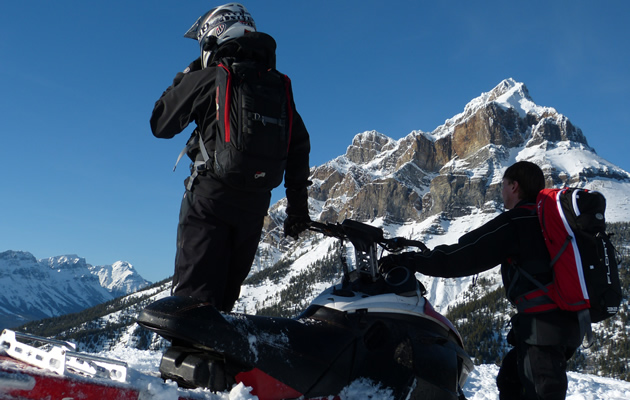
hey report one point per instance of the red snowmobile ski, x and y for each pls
(55, 371)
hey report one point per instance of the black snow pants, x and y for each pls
(216, 245)
(534, 373)
(535, 368)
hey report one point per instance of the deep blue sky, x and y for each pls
(82, 173)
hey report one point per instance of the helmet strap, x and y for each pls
(209, 46)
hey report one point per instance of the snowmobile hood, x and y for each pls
(387, 303)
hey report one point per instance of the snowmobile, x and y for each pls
(370, 325)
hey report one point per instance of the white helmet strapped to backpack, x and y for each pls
(219, 25)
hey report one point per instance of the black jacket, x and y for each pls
(191, 98)
(512, 238)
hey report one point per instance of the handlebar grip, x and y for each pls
(327, 229)
(316, 226)
(401, 242)
(419, 244)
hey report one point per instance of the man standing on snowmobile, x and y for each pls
(220, 225)
(543, 343)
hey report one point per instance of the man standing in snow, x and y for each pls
(220, 225)
(535, 368)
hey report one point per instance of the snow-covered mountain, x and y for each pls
(119, 278)
(439, 185)
(35, 289)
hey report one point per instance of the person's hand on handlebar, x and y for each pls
(389, 262)
(295, 224)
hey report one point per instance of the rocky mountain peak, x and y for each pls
(119, 278)
(509, 87)
(70, 261)
(12, 258)
(454, 170)
(367, 146)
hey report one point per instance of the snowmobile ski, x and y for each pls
(60, 357)
(34, 367)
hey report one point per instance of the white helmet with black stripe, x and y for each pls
(219, 25)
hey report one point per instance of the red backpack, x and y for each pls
(585, 270)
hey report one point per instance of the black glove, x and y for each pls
(295, 224)
(387, 263)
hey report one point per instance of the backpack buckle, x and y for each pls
(198, 167)
(258, 117)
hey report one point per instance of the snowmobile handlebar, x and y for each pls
(361, 234)
(401, 242)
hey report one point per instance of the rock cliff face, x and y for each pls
(453, 170)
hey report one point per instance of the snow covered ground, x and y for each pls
(480, 386)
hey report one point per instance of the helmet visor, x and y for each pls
(191, 33)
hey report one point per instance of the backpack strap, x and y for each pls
(228, 100)
(199, 166)
(266, 120)
(562, 249)
(289, 90)
(192, 143)
(538, 300)
(179, 157)
(586, 331)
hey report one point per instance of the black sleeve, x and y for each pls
(297, 171)
(187, 100)
(475, 252)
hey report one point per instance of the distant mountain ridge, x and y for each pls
(34, 289)
(119, 278)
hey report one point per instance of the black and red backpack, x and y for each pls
(252, 128)
(583, 259)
